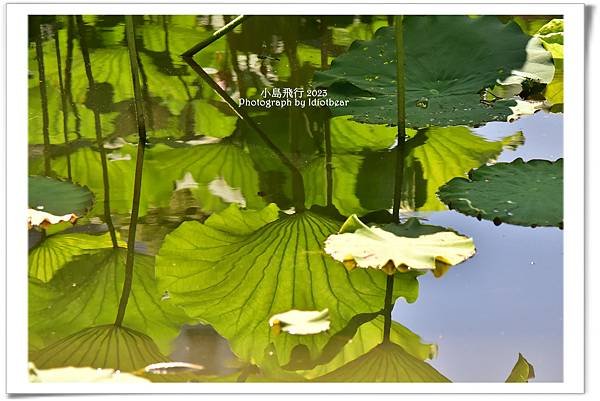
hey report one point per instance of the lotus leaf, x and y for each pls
(523, 193)
(449, 61)
(101, 347)
(410, 246)
(87, 291)
(387, 362)
(56, 251)
(240, 268)
(522, 371)
(58, 197)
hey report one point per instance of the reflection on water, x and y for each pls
(201, 158)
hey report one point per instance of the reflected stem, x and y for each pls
(139, 164)
(387, 308)
(291, 51)
(399, 170)
(298, 189)
(235, 64)
(98, 127)
(215, 36)
(328, 163)
(39, 53)
(188, 57)
(69, 74)
(63, 98)
(297, 180)
(325, 39)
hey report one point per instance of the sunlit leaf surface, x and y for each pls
(239, 268)
(247, 267)
(57, 250)
(551, 35)
(522, 371)
(410, 246)
(86, 292)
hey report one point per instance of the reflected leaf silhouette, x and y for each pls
(387, 362)
(433, 157)
(101, 347)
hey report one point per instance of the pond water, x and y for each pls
(201, 158)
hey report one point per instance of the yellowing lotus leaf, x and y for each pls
(398, 247)
(301, 322)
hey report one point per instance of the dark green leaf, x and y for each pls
(58, 197)
(524, 193)
(449, 60)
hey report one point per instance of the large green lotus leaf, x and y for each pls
(58, 197)
(403, 247)
(81, 375)
(353, 342)
(101, 347)
(449, 60)
(387, 362)
(40, 296)
(433, 156)
(240, 268)
(87, 292)
(522, 372)
(57, 250)
(523, 193)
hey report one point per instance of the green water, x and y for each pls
(235, 203)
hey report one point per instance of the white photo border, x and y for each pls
(17, 378)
